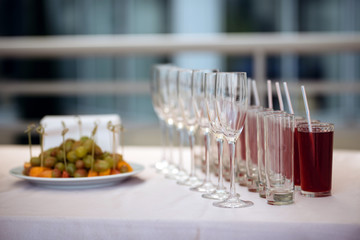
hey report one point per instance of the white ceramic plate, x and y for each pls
(86, 182)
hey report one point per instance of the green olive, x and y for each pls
(71, 169)
(71, 156)
(80, 173)
(75, 145)
(60, 155)
(35, 161)
(88, 160)
(84, 138)
(60, 166)
(101, 165)
(80, 151)
(88, 145)
(49, 162)
(56, 173)
(98, 151)
(68, 144)
(109, 160)
(79, 164)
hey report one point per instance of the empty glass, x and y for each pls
(159, 71)
(231, 104)
(279, 146)
(177, 116)
(191, 123)
(220, 192)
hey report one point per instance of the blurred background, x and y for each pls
(45, 71)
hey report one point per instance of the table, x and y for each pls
(149, 206)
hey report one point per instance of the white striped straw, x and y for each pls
(256, 94)
(249, 91)
(279, 96)
(287, 94)
(269, 90)
(306, 107)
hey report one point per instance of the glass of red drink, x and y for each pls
(316, 153)
(297, 179)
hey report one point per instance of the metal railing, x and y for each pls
(257, 45)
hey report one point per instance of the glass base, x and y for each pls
(219, 194)
(205, 187)
(242, 181)
(316, 194)
(233, 202)
(280, 198)
(262, 190)
(172, 173)
(252, 185)
(159, 166)
(182, 176)
(191, 181)
(297, 188)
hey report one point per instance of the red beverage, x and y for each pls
(296, 160)
(316, 149)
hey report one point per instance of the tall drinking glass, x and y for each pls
(279, 145)
(159, 71)
(231, 103)
(220, 192)
(167, 106)
(201, 114)
(252, 149)
(177, 116)
(186, 104)
(261, 147)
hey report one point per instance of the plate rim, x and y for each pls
(17, 172)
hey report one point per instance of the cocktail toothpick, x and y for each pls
(63, 132)
(28, 130)
(41, 132)
(112, 128)
(93, 144)
(79, 125)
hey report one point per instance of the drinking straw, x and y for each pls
(288, 98)
(256, 94)
(279, 96)
(306, 107)
(269, 90)
(249, 91)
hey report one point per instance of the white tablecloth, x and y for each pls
(149, 206)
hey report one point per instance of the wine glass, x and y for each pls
(198, 88)
(181, 176)
(190, 120)
(220, 192)
(166, 107)
(231, 104)
(159, 71)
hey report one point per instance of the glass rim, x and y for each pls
(321, 125)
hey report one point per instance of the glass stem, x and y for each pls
(220, 143)
(171, 143)
(232, 168)
(191, 143)
(181, 140)
(207, 154)
(163, 139)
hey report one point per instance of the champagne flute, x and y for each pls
(220, 192)
(191, 123)
(231, 104)
(159, 71)
(181, 176)
(198, 88)
(166, 107)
